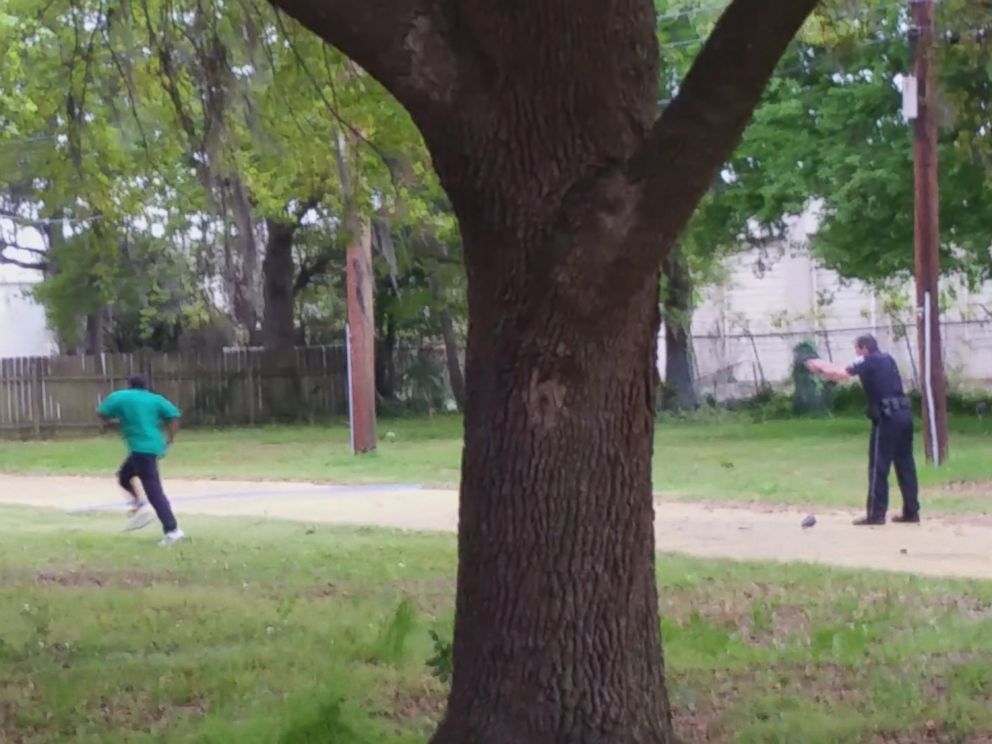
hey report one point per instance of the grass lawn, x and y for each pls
(822, 461)
(264, 631)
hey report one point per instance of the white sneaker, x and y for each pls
(171, 538)
(143, 516)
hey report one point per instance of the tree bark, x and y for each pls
(455, 376)
(242, 271)
(680, 386)
(279, 277)
(539, 120)
(360, 285)
(557, 630)
(385, 362)
(361, 335)
(93, 343)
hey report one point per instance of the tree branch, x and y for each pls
(39, 265)
(310, 271)
(39, 222)
(698, 131)
(401, 43)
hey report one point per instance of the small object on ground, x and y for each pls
(390, 436)
(810, 521)
(171, 538)
(904, 551)
(869, 522)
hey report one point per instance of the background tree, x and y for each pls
(197, 123)
(830, 134)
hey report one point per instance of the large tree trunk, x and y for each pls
(557, 630)
(557, 635)
(283, 391)
(539, 120)
(242, 268)
(680, 386)
(278, 277)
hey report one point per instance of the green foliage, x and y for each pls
(256, 632)
(391, 644)
(424, 383)
(830, 132)
(188, 128)
(327, 723)
(811, 394)
(441, 663)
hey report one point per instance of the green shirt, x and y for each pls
(141, 415)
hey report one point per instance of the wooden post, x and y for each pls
(37, 396)
(927, 235)
(250, 381)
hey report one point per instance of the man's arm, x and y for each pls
(170, 415)
(107, 411)
(829, 371)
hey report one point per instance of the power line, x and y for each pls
(703, 39)
(811, 63)
(28, 140)
(24, 221)
(690, 12)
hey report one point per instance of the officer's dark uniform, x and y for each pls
(891, 435)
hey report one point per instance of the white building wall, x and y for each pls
(23, 327)
(793, 296)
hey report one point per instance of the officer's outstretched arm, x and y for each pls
(829, 371)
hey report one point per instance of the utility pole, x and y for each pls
(360, 330)
(923, 112)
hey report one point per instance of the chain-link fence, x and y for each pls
(736, 366)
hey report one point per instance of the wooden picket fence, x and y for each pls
(43, 396)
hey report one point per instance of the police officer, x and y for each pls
(891, 429)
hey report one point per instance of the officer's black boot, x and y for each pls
(869, 522)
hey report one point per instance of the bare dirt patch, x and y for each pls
(959, 547)
(422, 707)
(122, 579)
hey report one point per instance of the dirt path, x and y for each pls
(937, 548)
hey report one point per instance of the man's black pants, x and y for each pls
(145, 469)
(892, 443)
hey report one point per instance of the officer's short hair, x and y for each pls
(867, 342)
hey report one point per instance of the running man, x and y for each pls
(142, 415)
